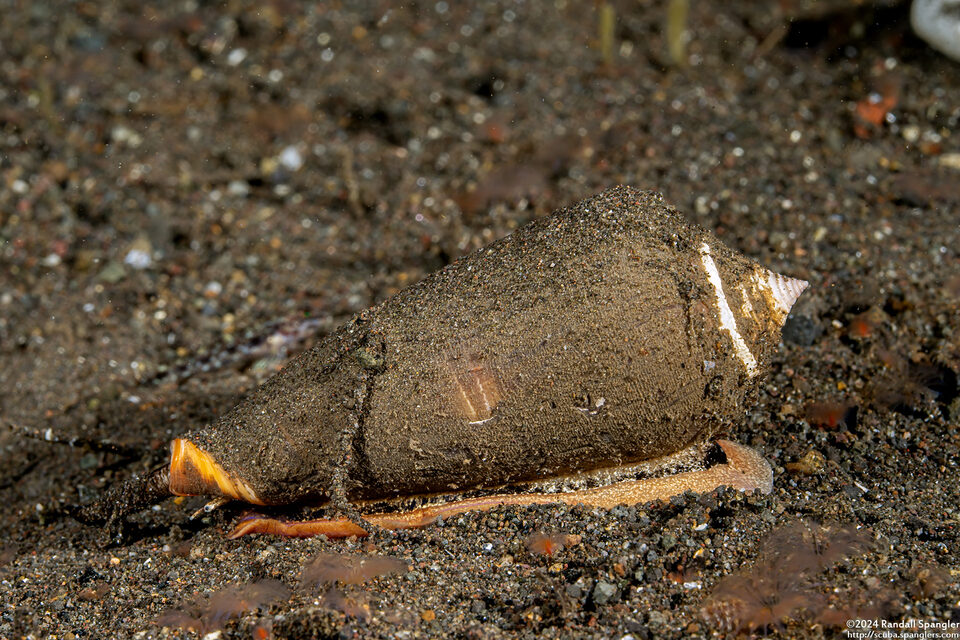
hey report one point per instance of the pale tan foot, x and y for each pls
(744, 469)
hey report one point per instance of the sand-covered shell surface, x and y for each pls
(607, 333)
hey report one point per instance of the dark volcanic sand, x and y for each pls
(189, 197)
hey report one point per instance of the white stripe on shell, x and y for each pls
(727, 321)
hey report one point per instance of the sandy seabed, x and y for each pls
(191, 194)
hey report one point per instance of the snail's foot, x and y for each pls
(743, 468)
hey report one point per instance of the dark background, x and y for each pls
(191, 192)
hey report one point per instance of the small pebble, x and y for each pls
(291, 158)
(810, 464)
(603, 592)
(138, 259)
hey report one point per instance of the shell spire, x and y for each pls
(785, 290)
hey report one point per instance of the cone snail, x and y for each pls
(588, 357)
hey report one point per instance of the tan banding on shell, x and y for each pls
(194, 472)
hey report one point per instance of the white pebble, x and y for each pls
(236, 56)
(951, 160)
(238, 188)
(291, 159)
(138, 259)
(938, 22)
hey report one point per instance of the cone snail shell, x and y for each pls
(609, 333)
